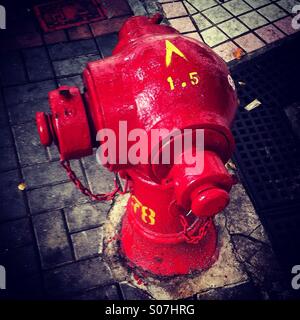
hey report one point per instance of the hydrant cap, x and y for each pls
(210, 202)
(44, 129)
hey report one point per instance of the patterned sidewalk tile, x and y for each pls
(226, 51)
(253, 20)
(236, 22)
(201, 21)
(183, 24)
(249, 42)
(272, 12)
(285, 25)
(270, 33)
(237, 7)
(288, 4)
(217, 14)
(202, 4)
(213, 36)
(257, 3)
(233, 28)
(173, 10)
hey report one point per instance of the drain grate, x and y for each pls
(268, 156)
(63, 14)
(267, 149)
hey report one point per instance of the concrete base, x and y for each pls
(226, 271)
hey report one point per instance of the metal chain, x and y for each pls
(111, 195)
(201, 232)
(96, 197)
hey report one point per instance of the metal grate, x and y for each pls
(268, 151)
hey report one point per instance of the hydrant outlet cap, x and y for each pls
(210, 202)
(44, 129)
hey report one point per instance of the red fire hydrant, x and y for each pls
(155, 79)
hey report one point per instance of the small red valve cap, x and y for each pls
(210, 202)
(44, 129)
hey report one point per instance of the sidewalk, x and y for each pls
(50, 234)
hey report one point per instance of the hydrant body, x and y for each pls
(156, 79)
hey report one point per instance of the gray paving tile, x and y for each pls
(242, 291)
(131, 293)
(12, 204)
(24, 112)
(66, 50)
(53, 153)
(73, 66)
(107, 43)
(77, 276)
(75, 81)
(88, 243)
(86, 216)
(28, 92)
(100, 179)
(102, 293)
(52, 239)
(28, 144)
(54, 197)
(48, 173)
(37, 64)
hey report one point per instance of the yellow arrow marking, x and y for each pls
(170, 49)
